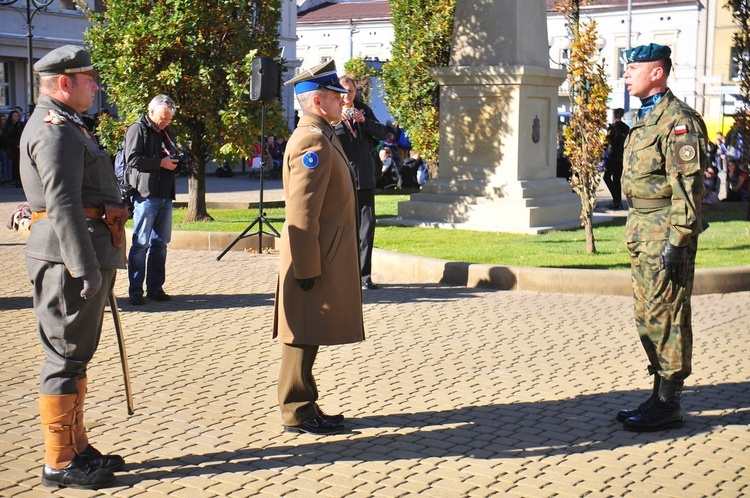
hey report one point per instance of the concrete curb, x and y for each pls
(560, 280)
(418, 269)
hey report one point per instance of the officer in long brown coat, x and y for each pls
(318, 297)
(664, 161)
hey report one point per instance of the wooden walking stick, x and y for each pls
(123, 353)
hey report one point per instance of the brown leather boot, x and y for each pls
(63, 467)
(80, 437)
(85, 450)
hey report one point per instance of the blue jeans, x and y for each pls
(152, 231)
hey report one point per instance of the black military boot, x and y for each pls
(623, 415)
(78, 474)
(664, 413)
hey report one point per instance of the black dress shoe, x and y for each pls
(317, 425)
(136, 300)
(159, 296)
(95, 458)
(78, 475)
(336, 419)
(370, 285)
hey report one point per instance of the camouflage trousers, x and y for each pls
(662, 309)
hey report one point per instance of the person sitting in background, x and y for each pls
(389, 175)
(414, 173)
(275, 154)
(390, 142)
(737, 182)
(713, 183)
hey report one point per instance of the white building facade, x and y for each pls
(346, 29)
(677, 24)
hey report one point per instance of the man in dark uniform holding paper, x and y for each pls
(72, 255)
(664, 160)
(319, 295)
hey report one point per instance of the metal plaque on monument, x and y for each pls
(498, 128)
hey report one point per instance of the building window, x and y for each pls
(622, 62)
(67, 5)
(5, 84)
(325, 58)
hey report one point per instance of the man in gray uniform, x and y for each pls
(72, 256)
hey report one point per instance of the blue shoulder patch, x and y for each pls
(310, 160)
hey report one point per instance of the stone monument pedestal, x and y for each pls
(498, 136)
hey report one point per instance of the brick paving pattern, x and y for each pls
(455, 392)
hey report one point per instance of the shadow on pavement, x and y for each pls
(194, 302)
(16, 303)
(519, 430)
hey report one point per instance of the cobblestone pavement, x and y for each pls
(455, 392)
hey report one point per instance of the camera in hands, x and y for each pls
(183, 163)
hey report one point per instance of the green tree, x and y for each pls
(585, 137)
(362, 74)
(197, 52)
(424, 33)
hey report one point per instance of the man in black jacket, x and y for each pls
(149, 147)
(359, 132)
(617, 132)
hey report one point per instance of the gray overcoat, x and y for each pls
(63, 170)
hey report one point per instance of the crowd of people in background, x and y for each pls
(404, 169)
(727, 159)
(727, 177)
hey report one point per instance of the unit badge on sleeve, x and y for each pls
(687, 153)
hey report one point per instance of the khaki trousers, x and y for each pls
(298, 392)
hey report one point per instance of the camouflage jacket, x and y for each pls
(665, 157)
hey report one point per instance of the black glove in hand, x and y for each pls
(306, 283)
(91, 284)
(674, 262)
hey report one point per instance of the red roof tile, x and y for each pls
(378, 10)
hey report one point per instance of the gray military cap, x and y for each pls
(68, 59)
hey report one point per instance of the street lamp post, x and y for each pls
(38, 6)
(626, 96)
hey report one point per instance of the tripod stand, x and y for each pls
(261, 219)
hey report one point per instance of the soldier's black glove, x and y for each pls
(674, 262)
(91, 284)
(306, 283)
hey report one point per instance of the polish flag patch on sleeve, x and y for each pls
(680, 129)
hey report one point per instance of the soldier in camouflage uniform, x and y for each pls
(664, 161)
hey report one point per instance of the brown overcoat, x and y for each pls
(319, 240)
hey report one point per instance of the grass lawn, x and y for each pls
(726, 243)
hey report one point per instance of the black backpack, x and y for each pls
(127, 191)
